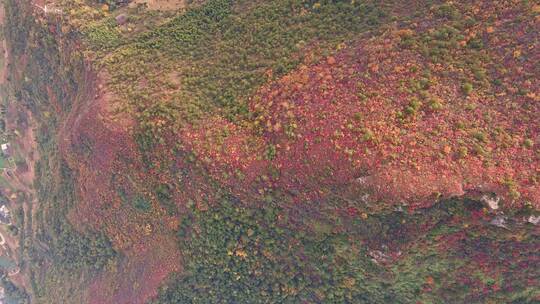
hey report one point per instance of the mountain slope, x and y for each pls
(284, 151)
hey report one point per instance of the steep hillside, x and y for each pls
(281, 151)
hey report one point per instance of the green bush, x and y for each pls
(448, 10)
(141, 203)
(435, 104)
(467, 88)
(102, 35)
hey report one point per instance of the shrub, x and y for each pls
(476, 43)
(480, 136)
(141, 203)
(413, 107)
(102, 35)
(463, 152)
(165, 197)
(435, 104)
(479, 150)
(368, 135)
(271, 152)
(467, 88)
(449, 11)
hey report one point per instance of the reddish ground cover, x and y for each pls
(110, 177)
(139, 275)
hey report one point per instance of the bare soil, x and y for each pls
(163, 5)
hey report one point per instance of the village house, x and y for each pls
(5, 149)
(5, 215)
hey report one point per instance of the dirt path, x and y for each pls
(3, 72)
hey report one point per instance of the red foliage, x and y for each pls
(104, 157)
(139, 275)
(340, 122)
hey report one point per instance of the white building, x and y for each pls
(5, 148)
(5, 215)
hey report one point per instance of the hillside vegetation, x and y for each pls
(281, 151)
